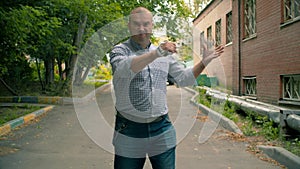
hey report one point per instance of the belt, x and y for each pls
(139, 119)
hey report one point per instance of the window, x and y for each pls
(209, 37)
(202, 41)
(218, 32)
(291, 87)
(250, 86)
(291, 9)
(249, 18)
(229, 28)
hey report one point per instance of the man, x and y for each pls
(140, 72)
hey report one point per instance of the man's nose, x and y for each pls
(141, 28)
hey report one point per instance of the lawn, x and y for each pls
(8, 113)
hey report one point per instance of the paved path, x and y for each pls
(58, 141)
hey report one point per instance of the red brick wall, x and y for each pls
(273, 52)
(235, 50)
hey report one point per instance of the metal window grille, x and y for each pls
(249, 17)
(209, 37)
(229, 27)
(218, 32)
(250, 86)
(202, 41)
(291, 87)
(291, 9)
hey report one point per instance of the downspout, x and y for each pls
(239, 50)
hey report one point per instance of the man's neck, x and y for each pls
(144, 45)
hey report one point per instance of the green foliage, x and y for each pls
(230, 111)
(251, 125)
(293, 145)
(248, 127)
(269, 129)
(203, 98)
(103, 72)
(47, 32)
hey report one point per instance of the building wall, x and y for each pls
(274, 51)
(221, 68)
(236, 68)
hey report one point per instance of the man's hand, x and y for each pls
(212, 54)
(166, 48)
(169, 46)
(207, 56)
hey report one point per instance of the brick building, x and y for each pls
(262, 47)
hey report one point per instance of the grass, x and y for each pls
(251, 123)
(34, 89)
(9, 113)
(86, 88)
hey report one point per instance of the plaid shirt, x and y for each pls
(143, 94)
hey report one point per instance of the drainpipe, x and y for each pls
(293, 121)
(290, 119)
(239, 50)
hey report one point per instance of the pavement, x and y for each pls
(62, 138)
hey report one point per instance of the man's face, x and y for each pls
(140, 26)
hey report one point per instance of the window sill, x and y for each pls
(286, 102)
(285, 24)
(250, 37)
(249, 97)
(228, 44)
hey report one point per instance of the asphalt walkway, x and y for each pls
(69, 137)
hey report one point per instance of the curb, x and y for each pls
(51, 100)
(9, 126)
(32, 99)
(281, 155)
(224, 121)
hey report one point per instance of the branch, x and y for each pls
(9, 88)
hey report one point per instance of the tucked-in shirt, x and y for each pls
(143, 94)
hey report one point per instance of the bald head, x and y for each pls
(140, 25)
(139, 11)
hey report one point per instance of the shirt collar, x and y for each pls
(136, 46)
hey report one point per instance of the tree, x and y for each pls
(54, 33)
(25, 30)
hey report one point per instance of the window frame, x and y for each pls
(202, 40)
(209, 37)
(218, 32)
(294, 13)
(250, 90)
(288, 82)
(249, 18)
(229, 33)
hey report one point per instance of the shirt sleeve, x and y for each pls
(183, 76)
(120, 60)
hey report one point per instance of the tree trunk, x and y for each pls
(73, 58)
(49, 66)
(39, 73)
(81, 75)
